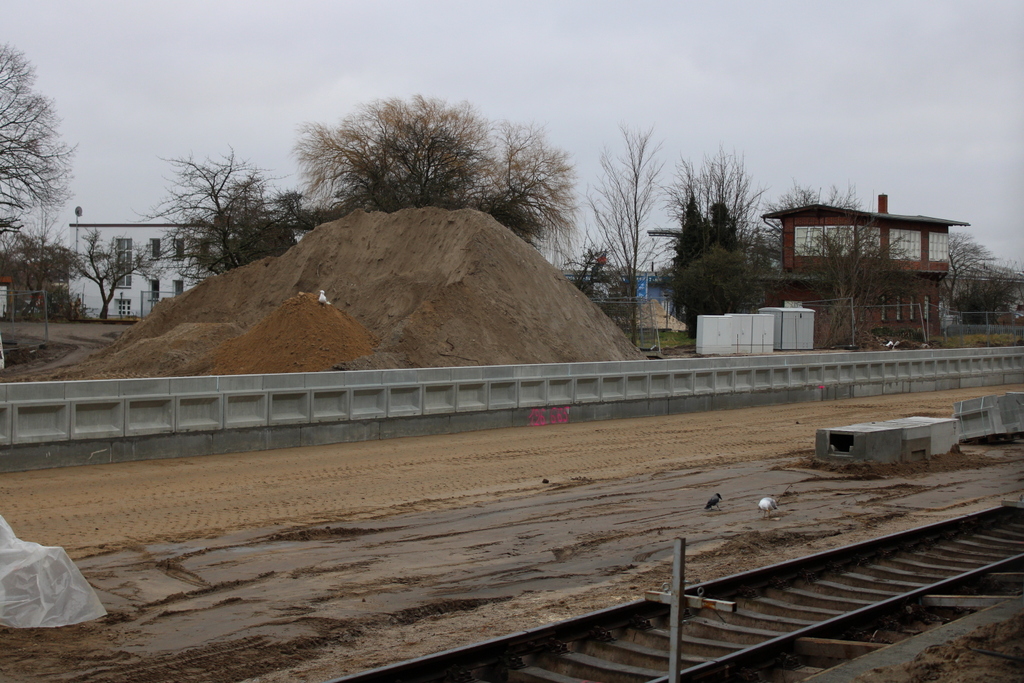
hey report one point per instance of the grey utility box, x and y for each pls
(991, 416)
(794, 328)
(905, 440)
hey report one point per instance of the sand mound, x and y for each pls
(438, 288)
(301, 335)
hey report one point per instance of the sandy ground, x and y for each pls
(69, 344)
(307, 564)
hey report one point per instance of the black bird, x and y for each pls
(713, 502)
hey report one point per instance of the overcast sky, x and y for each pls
(922, 99)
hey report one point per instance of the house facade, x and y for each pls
(135, 294)
(919, 243)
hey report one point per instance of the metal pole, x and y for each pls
(46, 317)
(853, 325)
(678, 605)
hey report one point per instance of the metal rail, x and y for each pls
(523, 657)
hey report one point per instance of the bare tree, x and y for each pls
(109, 264)
(35, 166)
(622, 204)
(395, 154)
(227, 215)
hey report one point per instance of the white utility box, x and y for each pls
(794, 328)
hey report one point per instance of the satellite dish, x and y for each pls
(78, 211)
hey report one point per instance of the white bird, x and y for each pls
(323, 299)
(713, 502)
(768, 504)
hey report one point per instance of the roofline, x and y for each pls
(867, 214)
(123, 225)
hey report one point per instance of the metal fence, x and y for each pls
(635, 317)
(25, 307)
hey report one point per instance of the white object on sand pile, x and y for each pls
(40, 586)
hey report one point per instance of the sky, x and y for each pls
(922, 100)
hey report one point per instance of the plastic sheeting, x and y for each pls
(41, 586)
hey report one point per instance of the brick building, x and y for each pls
(921, 242)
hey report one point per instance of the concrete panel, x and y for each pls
(502, 394)
(661, 385)
(683, 383)
(34, 423)
(198, 413)
(193, 385)
(150, 415)
(245, 410)
(560, 390)
(533, 392)
(688, 404)
(97, 419)
(363, 378)
(441, 375)
(439, 398)
(285, 380)
(107, 388)
(177, 445)
(5, 423)
(240, 383)
(320, 380)
(816, 375)
(724, 380)
(289, 407)
(35, 391)
(399, 377)
(425, 425)
(340, 432)
(704, 382)
(329, 405)
(405, 401)
(283, 437)
(144, 387)
(492, 419)
(613, 388)
(238, 440)
(471, 396)
(588, 390)
(368, 403)
(29, 457)
(636, 387)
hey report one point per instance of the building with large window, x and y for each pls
(919, 243)
(136, 293)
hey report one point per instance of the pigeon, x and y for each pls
(713, 502)
(768, 504)
(323, 299)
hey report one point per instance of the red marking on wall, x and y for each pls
(540, 417)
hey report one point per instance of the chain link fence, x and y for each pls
(636, 318)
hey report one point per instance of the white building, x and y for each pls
(135, 294)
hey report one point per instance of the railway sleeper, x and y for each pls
(633, 654)
(879, 583)
(996, 551)
(843, 590)
(759, 620)
(806, 598)
(978, 556)
(660, 638)
(715, 629)
(590, 668)
(923, 567)
(884, 570)
(768, 605)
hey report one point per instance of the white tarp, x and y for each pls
(41, 586)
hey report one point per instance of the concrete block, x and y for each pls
(320, 380)
(240, 383)
(289, 407)
(780, 378)
(560, 390)
(288, 436)
(5, 423)
(661, 384)
(97, 419)
(329, 405)
(107, 388)
(364, 378)
(440, 375)
(903, 440)
(38, 422)
(399, 377)
(439, 398)
(405, 401)
(3, 393)
(198, 413)
(492, 419)
(587, 390)
(745, 379)
(414, 426)
(238, 440)
(285, 380)
(636, 387)
(35, 391)
(471, 396)
(613, 388)
(144, 387)
(149, 415)
(245, 410)
(502, 394)
(368, 403)
(340, 432)
(533, 392)
(724, 381)
(704, 382)
(683, 383)
(193, 385)
(689, 404)
(158, 447)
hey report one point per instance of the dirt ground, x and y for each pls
(307, 564)
(69, 344)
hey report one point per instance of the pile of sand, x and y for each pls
(437, 288)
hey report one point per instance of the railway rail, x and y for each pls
(783, 622)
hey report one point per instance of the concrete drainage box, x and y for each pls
(905, 440)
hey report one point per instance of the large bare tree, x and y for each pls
(109, 263)
(35, 165)
(622, 203)
(395, 154)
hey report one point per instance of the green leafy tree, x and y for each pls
(720, 281)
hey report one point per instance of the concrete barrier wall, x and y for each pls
(52, 424)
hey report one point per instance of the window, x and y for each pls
(812, 240)
(179, 247)
(913, 312)
(905, 244)
(938, 246)
(899, 309)
(124, 307)
(927, 301)
(123, 246)
(154, 247)
(179, 287)
(154, 290)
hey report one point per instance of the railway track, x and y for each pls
(784, 622)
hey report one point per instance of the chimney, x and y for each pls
(883, 203)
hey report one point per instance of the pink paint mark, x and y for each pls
(539, 417)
